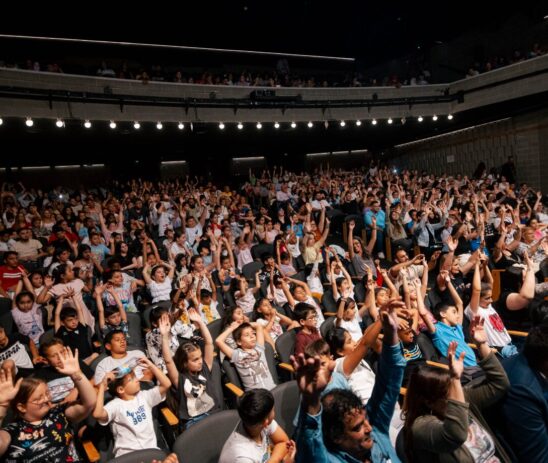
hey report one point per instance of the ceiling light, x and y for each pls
(259, 125)
(112, 125)
(434, 118)
(358, 123)
(450, 116)
(181, 126)
(240, 126)
(59, 123)
(310, 125)
(29, 122)
(136, 125)
(390, 120)
(342, 123)
(293, 125)
(374, 122)
(87, 124)
(420, 119)
(276, 125)
(159, 126)
(221, 126)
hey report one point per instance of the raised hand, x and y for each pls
(69, 362)
(389, 318)
(456, 364)
(194, 316)
(8, 390)
(164, 325)
(351, 225)
(311, 377)
(477, 331)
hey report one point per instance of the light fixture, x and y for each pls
(374, 122)
(29, 122)
(1, 121)
(276, 125)
(59, 123)
(87, 124)
(240, 126)
(293, 125)
(403, 120)
(136, 125)
(221, 126)
(159, 126)
(310, 125)
(180, 126)
(390, 120)
(358, 122)
(342, 123)
(434, 118)
(450, 116)
(259, 125)
(420, 119)
(112, 125)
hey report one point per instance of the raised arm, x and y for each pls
(57, 313)
(221, 340)
(518, 301)
(366, 342)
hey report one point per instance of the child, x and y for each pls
(70, 326)
(306, 315)
(480, 305)
(232, 314)
(14, 356)
(343, 286)
(153, 338)
(275, 292)
(313, 280)
(301, 293)
(116, 344)
(190, 372)
(272, 321)
(349, 318)
(34, 282)
(27, 315)
(207, 300)
(258, 438)
(249, 357)
(158, 283)
(243, 294)
(110, 317)
(130, 413)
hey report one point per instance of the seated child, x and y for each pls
(110, 317)
(27, 315)
(306, 316)
(130, 412)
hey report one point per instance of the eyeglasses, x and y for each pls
(44, 400)
(313, 317)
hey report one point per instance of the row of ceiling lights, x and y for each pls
(136, 125)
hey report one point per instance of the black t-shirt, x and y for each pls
(513, 319)
(77, 339)
(59, 384)
(197, 394)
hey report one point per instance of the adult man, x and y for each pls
(525, 407)
(28, 249)
(375, 211)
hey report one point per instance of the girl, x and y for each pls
(34, 282)
(360, 255)
(87, 262)
(243, 246)
(232, 314)
(27, 315)
(190, 373)
(243, 294)
(349, 318)
(127, 260)
(61, 256)
(272, 321)
(158, 283)
(40, 430)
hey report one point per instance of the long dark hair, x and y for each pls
(426, 395)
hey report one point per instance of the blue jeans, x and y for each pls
(194, 420)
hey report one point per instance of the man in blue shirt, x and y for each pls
(336, 428)
(375, 211)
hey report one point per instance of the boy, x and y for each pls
(71, 327)
(306, 315)
(258, 438)
(116, 344)
(10, 274)
(110, 317)
(249, 358)
(13, 355)
(207, 300)
(130, 413)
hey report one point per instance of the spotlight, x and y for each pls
(59, 123)
(276, 125)
(181, 126)
(240, 126)
(450, 116)
(390, 120)
(259, 125)
(136, 125)
(159, 126)
(87, 124)
(358, 123)
(112, 125)
(374, 122)
(221, 126)
(420, 119)
(29, 122)
(310, 125)
(1, 121)
(434, 118)
(342, 123)
(293, 125)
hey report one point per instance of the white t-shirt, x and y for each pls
(253, 368)
(240, 448)
(160, 291)
(353, 326)
(131, 421)
(361, 380)
(245, 302)
(497, 336)
(193, 233)
(109, 364)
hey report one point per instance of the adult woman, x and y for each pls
(360, 255)
(40, 430)
(443, 421)
(395, 229)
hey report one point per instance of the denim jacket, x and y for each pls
(380, 408)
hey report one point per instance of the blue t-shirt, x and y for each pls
(100, 251)
(445, 334)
